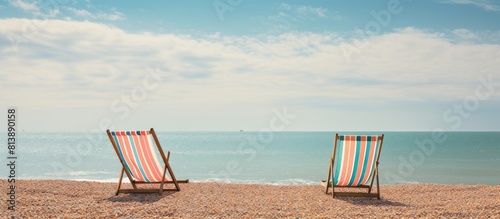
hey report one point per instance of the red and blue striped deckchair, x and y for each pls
(354, 164)
(139, 161)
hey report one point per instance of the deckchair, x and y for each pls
(140, 163)
(354, 165)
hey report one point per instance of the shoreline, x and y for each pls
(84, 199)
(125, 180)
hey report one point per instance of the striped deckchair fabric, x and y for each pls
(136, 152)
(354, 163)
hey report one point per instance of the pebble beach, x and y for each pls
(83, 199)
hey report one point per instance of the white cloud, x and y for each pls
(285, 6)
(71, 63)
(305, 11)
(34, 9)
(280, 22)
(79, 12)
(465, 35)
(288, 16)
(113, 16)
(25, 6)
(52, 12)
(484, 4)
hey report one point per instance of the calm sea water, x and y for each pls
(266, 158)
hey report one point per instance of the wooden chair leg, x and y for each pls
(120, 181)
(378, 187)
(333, 183)
(173, 177)
(162, 180)
(328, 178)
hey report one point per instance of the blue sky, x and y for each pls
(238, 64)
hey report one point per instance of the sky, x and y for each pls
(262, 65)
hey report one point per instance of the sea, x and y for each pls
(280, 158)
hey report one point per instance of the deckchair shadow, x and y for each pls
(141, 198)
(370, 202)
(140, 163)
(354, 166)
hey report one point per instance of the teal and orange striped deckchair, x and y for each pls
(140, 162)
(354, 164)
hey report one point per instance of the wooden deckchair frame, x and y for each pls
(135, 182)
(329, 180)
